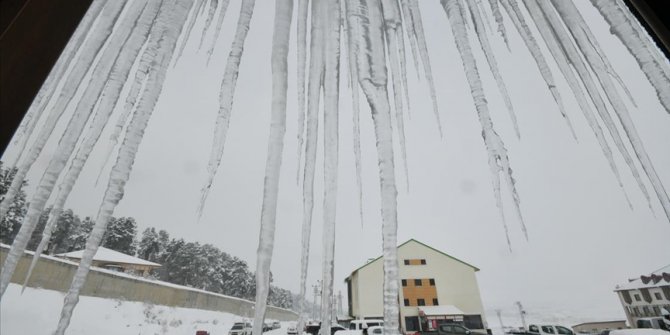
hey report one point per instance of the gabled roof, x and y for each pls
(109, 255)
(423, 244)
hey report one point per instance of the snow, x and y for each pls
(109, 255)
(32, 313)
(441, 310)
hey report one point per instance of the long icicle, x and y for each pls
(303, 6)
(624, 28)
(50, 84)
(164, 34)
(316, 68)
(195, 10)
(331, 13)
(411, 34)
(108, 99)
(592, 89)
(392, 24)
(213, 4)
(228, 85)
(352, 51)
(515, 14)
(280, 45)
(493, 64)
(101, 32)
(68, 141)
(372, 77)
(564, 65)
(217, 30)
(500, 23)
(575, 23)
(415, 12)
(498, 160)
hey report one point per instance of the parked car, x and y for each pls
(455, 329)
(267, 326)
(314, 329)
(241, 328)
(638, 331)
(292, 329)
(375, 330)
(201, 332)
(362, 324)
(276, 325)
(549, 330)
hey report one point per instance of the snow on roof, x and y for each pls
(654, 279)
(109, 255)
(441, 310)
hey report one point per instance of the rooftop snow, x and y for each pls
(109, 255)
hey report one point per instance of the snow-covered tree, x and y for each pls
(149, 245)
(120, 235)
(79, 234)
(10, 224)
(60, 238)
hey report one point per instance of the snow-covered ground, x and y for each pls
(36, 312)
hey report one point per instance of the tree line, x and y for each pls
(192, 264)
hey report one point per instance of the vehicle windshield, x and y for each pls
(563, 330)
(237, 326)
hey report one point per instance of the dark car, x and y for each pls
(456, 329)
(313, 329)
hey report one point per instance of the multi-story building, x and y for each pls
(646, 296)
(436, 288)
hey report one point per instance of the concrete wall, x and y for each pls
(56, 274)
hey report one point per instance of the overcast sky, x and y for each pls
(583, 238)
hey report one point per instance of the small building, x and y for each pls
(436, 288)
(114, 260)
(598, 326)
(646, 296)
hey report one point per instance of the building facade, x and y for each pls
(435, 288)
(646, 297)
(599, 326)
(113, 260)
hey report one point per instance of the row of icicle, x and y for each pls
(115, 37)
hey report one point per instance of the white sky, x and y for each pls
(583, 237)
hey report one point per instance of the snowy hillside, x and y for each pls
(34, 313)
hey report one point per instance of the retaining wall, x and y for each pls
(56, 274)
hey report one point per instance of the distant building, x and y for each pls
(114, 260)
(599, 326)
(645, 296)
(436, 288)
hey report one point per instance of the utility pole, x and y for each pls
(339, 303)
(317, 293)
(502, 326)
(522, 313)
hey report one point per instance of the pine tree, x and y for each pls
(120, 235)
(79, 235)
(149, 245)
(66, 224)
(11, 223)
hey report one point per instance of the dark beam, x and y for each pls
(33, 34)
(653, 15)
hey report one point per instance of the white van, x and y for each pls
(550, 330)
(365, 323)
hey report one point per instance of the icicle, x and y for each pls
(392, 24)
(411, 34)
(66, 145)
(493, 65)
(624, 29)
(564, 66)
(217, 31)
(92, 46)
(280, 44)
(163, 37)
(302, 56)
(352, 51)
(577, 61)
(213, 4)
(497, 15)
(228, 85)
(517, 18)
(498, 160)
(415, 12)
(108, 99)
(331, 18)
(574, 21)
(195, 10)
(372, 77)
(49, 86)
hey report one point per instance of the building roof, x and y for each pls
(654, 279)
(441, 310)
(423, 244)
(109, 255)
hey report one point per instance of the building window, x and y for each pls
(412, 323)
(658, 296)
(657, 311)
(407, 262)
(423, 262)
(435, 303)
(417, 282)
(421, 302)
(404, 282)
(406, 302)
(645, 310)
(637, 297)
(432, 281)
